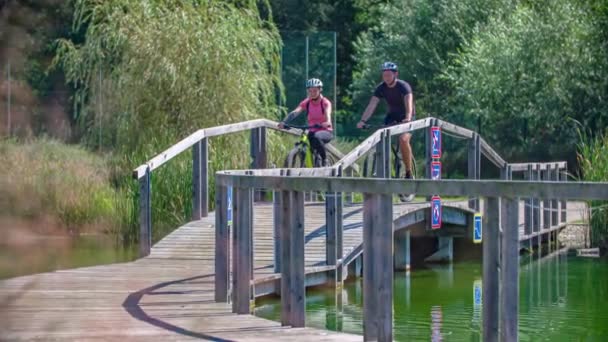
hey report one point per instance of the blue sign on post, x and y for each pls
(436, 170)
(229, 214)
(435, 142)
(435, 212)
(477, 292)
(477, 229)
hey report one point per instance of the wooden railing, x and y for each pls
(290, 184)
(198, 143)
(346, 166)
(500, 249)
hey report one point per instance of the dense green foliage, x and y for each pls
(523, 73)
(169, 68)
(132, 77)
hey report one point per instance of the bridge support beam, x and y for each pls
(445, 250)
(293, 291)
(491, 269)
(509, 287)
(377, 268)
(402, 251)
(222, 245)
(242, 253)
(200, 180)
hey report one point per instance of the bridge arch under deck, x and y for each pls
(457, 221)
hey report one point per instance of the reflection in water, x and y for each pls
(436, 323)
(562, 298)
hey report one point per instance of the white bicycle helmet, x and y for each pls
(314, 83)
(389, 66)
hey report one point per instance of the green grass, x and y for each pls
(66, 187)
(593, 159)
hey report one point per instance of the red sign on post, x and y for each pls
(435, 212)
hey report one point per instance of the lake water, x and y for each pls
(40, 253)
(562, 298)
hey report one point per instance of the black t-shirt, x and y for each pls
(394, 98)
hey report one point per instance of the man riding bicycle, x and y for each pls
(400, 100)
(318, 109)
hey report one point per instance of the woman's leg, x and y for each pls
(322, 138)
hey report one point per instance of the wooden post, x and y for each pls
(277, 212)
(564, 202)
(474, 165)
(528, 205)
(330, 228)
(349, 195)
(509, 289)
(491, 250)
(554, 202)
(546, 175)
(333, 234)
(276, 230)
(377, 268)
(222, 245)
(258, 155)
(242, 252)
(293, 291)
(428, 147)
(145, 214)
(200, 181)
(536, 213)
(383, 156)
(339, 230)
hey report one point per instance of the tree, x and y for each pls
(532, 76)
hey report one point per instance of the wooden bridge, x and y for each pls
(182, 287)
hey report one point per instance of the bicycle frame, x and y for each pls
(397, 163)
(307, 149)
(304, 143)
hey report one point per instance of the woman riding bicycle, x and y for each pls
(318, 109)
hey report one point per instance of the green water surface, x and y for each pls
(562, 298)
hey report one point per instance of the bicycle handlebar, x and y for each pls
(369, 126)
(304, 127)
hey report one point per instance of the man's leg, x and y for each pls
(406, 152)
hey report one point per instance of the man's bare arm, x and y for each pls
(408, 102)
(371, 106)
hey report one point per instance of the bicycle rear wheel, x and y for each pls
(399, 172)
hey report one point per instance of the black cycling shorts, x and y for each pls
(394, 119)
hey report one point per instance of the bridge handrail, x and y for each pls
(245, 179)
(200, 134)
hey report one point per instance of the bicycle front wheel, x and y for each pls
(295, 159)
(369, 165)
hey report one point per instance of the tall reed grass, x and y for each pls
(593, 161)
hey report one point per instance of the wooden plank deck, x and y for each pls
(168, 295)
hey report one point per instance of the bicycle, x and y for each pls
(397, 169)
(303, 155)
